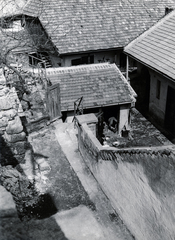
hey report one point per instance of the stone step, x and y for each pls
(80, 223)
(37, 124)
(72, 132)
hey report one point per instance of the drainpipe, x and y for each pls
(127, 68)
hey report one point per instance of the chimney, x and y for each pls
(168, 10)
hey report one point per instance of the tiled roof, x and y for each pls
(9, 8)
(34, 8)
(84, 25)
(156, 47)
(99, 84)
(15, 41)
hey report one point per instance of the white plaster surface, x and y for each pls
(79, 224)
(6, 200)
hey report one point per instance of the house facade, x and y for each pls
(154, 53)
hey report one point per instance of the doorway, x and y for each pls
(141, 85)
(170, 111)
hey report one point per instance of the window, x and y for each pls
(158, 87)
(83, 60)
(76, 61)
(122, 60)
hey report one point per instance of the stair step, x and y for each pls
(46, 60)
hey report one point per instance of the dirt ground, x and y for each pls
(61, 184)
(142, 133)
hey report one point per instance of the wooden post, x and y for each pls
(127, 68)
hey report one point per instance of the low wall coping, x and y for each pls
(167, 149)
(86, 118)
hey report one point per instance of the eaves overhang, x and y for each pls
(149, 66)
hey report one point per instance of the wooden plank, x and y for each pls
(53, 101)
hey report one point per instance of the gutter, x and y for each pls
(105, 105)
(91, 51)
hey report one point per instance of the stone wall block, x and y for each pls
(5, 104)
(15, 137)
(2, 131)
(20, 158)
(17, 148)
(1, 86)
(11, 113)
(44, 166)
(4, 91)
(14, 126)
(2, 77)
(3, 122)
(2, 82)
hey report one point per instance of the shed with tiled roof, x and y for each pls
(101, 86)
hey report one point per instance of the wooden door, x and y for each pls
(53, 101)
(170, 111)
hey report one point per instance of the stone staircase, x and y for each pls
(46, 59)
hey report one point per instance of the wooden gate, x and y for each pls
(53, 102)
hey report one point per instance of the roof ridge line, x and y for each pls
(82, 67)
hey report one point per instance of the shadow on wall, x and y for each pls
(30, 204)
(6, 155)
(42, 207)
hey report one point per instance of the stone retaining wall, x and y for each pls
(17, 158)
(13, 137)
(139, 182)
